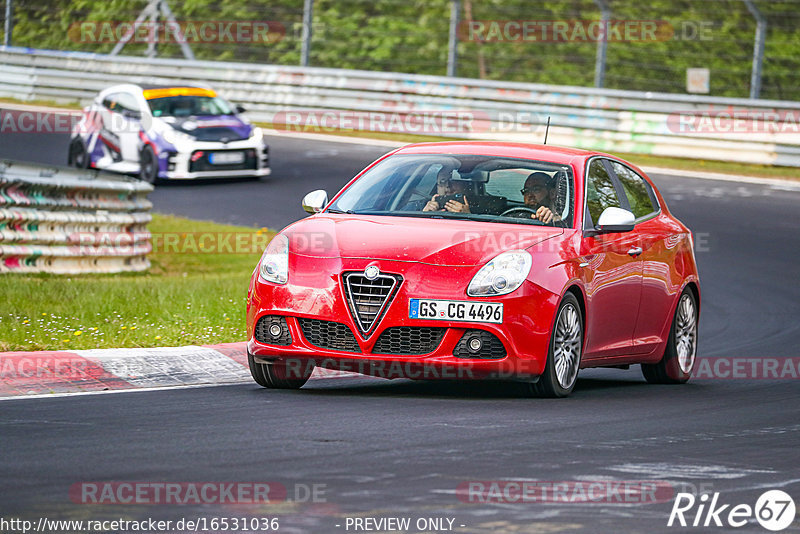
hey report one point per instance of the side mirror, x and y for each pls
(614, 220)
(315, 201)
(240, 108)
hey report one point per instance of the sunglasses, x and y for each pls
(534, 189)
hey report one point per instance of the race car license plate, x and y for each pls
(225, 158)
(456, 310)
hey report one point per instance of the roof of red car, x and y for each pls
(555, 154)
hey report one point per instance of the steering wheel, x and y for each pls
(518, 209)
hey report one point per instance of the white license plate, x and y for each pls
(456, 310)
(225, 158)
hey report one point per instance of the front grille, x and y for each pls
(329, 335)
(409, 340)
(218, 133)
(263, 334)
(492, 347)
(369, 299)
(201, 163)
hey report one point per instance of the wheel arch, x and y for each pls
(577, 291)
(692, 286)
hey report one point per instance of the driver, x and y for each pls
(445, 185)
(539, 195)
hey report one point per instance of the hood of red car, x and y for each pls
(433, 241)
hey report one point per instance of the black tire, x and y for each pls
(78, 156)
(678, 361)
(276, 375)
(566, 335)
(148, 165)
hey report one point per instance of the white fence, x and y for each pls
(743, 130)
(70, 221)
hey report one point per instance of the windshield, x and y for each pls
(486, 188)
(186, 106)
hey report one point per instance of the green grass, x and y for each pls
(185, 298)
(43, 102)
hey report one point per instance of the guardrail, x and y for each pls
(744, 130)
(71, 221)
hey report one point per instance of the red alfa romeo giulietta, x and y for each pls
(478, 260)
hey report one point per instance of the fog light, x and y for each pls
(275, 330)
(475, 344)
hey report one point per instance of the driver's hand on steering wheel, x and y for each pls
(544, 214)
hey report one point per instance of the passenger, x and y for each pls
(539, 195)
(445, 185)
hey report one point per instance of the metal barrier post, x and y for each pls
(602, 45)
(758, 48)
(8, 25)
(308, 16)
(452, 51)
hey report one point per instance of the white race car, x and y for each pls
(167, 132)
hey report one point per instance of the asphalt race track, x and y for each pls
(379, 449)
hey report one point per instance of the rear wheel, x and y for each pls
(564, 356)
(148, 165)
(78, 156)
(277, 375)
(679, 357)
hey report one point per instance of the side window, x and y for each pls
(600, 192)
(636, 189)
(427, 182)
(507, 183)
(110, 102)
(126, 102)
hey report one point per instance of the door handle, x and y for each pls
(635, 251)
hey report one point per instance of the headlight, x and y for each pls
(274, 266)
(502, 275)
(174, 137)
(257, 134)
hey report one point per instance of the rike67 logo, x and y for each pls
(774, 510)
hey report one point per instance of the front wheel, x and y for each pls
(78, 156)
(564, 356)
(148, 165)
(279, 375)
(679, 357)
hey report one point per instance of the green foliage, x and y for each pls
(412, 36)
